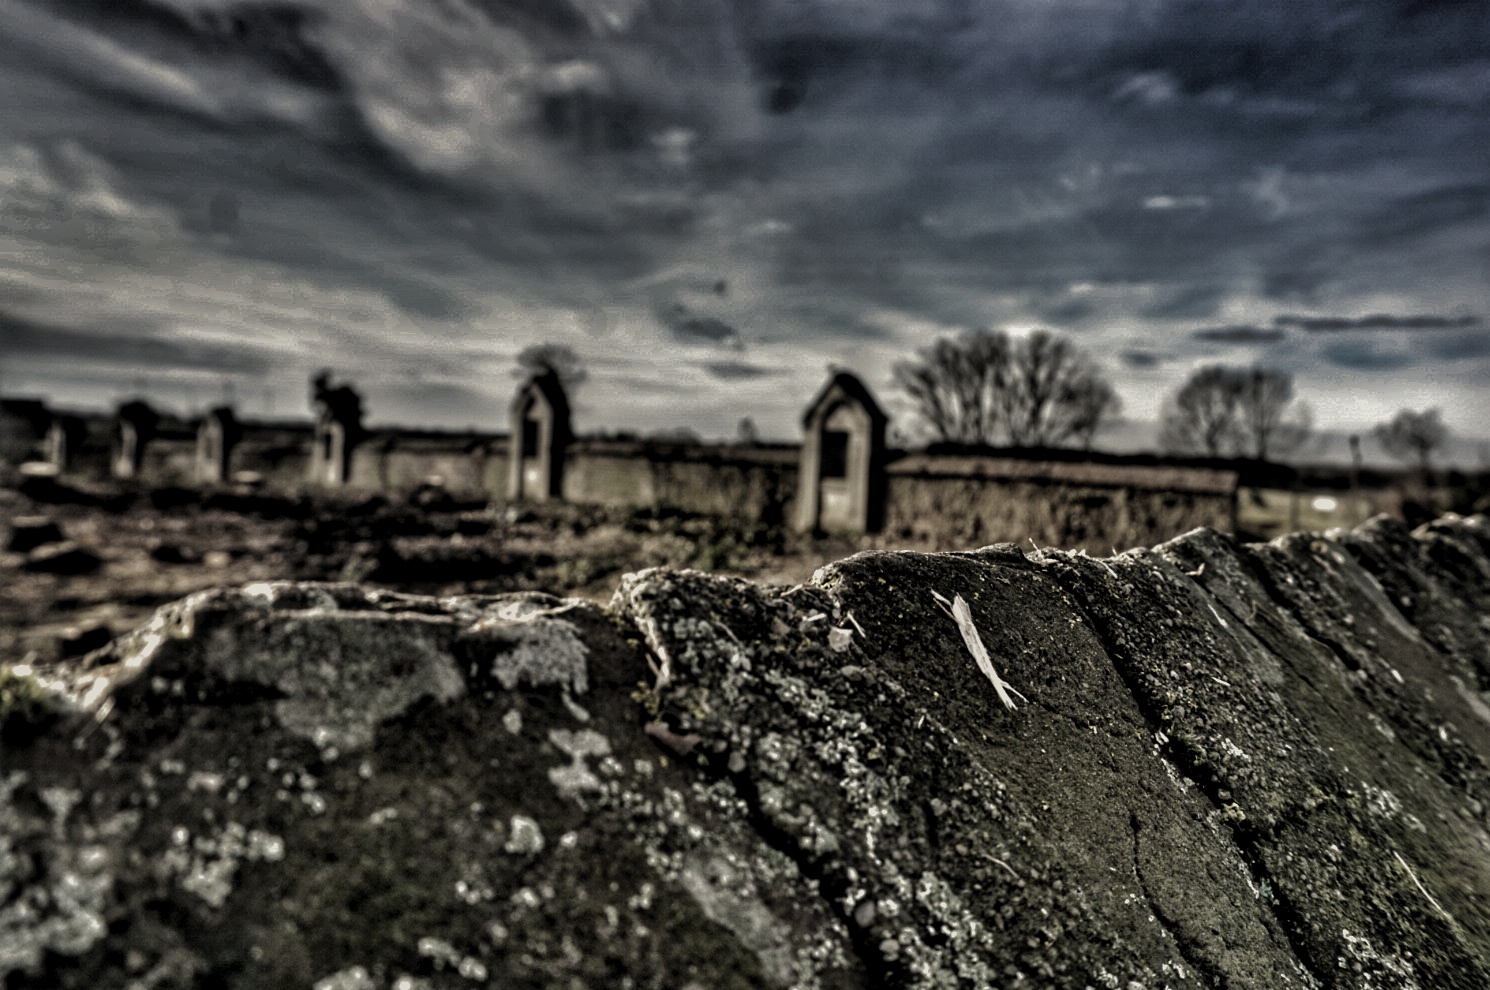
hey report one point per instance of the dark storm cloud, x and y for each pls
(1240, 334)
(738, 370)
(449, 401)
(1376, 321)
(1140, 359)
(1411, 217)
(1195, 301)
(1367, 355)
(795, 67)
(1295, 279)
(131, 344)
(274, 37)
(691, 327)
(1459, 346)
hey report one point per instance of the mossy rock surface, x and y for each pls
(1219, 766)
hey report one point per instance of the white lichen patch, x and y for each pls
(1233, 751)
(407, 982)
(206, 865)
(1371, 968)
(342, 672)
(1380, 801)
(538, 652)
(55, 902)
(577, 777)
(524, 837)
(351, 978)
(710, 882)
(448, 956)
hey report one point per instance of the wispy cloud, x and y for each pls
(1376, 321)
(737, 370)
(1240, 334)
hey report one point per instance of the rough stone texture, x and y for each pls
(1226, 765)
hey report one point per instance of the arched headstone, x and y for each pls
(23, 427)
(338, 430)
(217, 434)
(841, 479)
(134, 428)
(65, 435)
(540, 432)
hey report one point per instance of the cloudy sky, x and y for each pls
(714, 201)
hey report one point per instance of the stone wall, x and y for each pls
(750, 482)
(948, 500)
(1218, 765)
(933, 499)
(403, 462)
(278, 455)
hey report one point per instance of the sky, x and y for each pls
(715, 202)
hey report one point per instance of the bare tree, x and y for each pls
(954, 384)
(1054, 393)
(1273, 422)
(1201, 417)
(983, 387)
(1234, 412)
(1411, 435)
(1093, 406)
(561, 359)
(746, 433)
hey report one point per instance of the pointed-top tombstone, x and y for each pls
(540, 433)
(841, 481)
(134, 426)
(338, 431)
(217, 435)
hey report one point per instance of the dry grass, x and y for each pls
(1269, 512)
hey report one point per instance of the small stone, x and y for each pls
(29, 532)
(79, 640)
(67, 559)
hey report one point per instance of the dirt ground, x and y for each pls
(80, 563)
(123, 551)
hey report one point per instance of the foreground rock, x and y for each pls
(1260, 766)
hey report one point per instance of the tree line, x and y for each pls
(986, 388)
